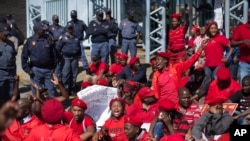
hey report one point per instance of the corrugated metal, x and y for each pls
(57, 7)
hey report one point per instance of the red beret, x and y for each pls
(124, 56)
(52, 111)
(177, 16)
(215, 100)
(116, 99)
(223, 74)
(133, 120)
(163, 55)
(166, 105)
(79, 103)
(129, 86)
(86, 84)
(195, 29)
(133, 60)
(145, 92)
(211, 23)
(102, 81)
(117, 54)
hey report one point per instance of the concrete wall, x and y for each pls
(18, 9)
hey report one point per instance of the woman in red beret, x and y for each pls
(214, 50)
(176, 42)
(82, 124)
(114, 126)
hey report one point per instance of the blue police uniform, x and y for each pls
(113, 30)
(7, 67)
(99, 38)
(129, 31)
(79, 27)
(70, 48)
(56, 31)
(39, 59)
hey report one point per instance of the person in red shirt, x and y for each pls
(82, 124)
(171, 75)
(176, 43)
(224, 85)
(214, 50)
(116, 67)
(146, 108)
(114, 126)
(21, 127)
(195, 31)
(133, 130)
(241, 39)
(52, 112)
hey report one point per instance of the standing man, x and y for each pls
(39, 58)
(7, 64)
(79, 27)
(176, 45)
(113, 26)
(98, 29)
(130, 33)
(56, 31)
(70, 48)
(241, 39)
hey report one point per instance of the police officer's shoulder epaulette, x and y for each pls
(60, 37)
(25, 41)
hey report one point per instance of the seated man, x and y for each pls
(82, 124)
(134, 72)
(242, 97)
(120, 63)
(214, 122)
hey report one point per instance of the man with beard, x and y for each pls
(82, 124)
(21, 127)
(242, 97)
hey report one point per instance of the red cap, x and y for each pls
(166, 105)
(117, 54)
(163, 55)
(145, 92)
(210, 24)
(195, 29)
(116, 99)
(86, 84)
(133, 61)
(79, 103)
(123, 56)
(177, 16)
(102, 81)
(52, 111)
(223, 74)
(215, 100)
(133, 120)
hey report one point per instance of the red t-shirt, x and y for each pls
(18, 132)
(97, 70)
(242, 32)
(177, 38)
(214, 90)
(191, 42)
(115, 127)
(56, 132)
(145, 116)
(115, 68)
(214, 50)
(78, 128)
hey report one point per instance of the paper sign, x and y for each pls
(97, 99)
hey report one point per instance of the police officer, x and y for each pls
(70, 48)
(130, 34)
(79, 28)
(113, 26)
(39, 59)
(99, 29)
(7, 64)
(56, 31)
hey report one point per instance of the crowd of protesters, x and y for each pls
(208, 69)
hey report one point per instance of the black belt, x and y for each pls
(129, 38)
(178, 50)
